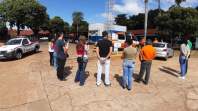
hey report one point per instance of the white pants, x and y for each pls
(107, 68)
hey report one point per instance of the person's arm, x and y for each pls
(154, 53)
(97, 52)
(110, 51)
(123, 55)
(64, 48)
(140, 55)
(50, 44)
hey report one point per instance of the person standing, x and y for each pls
(55, 55)
(128, 56)
(189, 46)
(184, 54)
(103, 51)
(61, 56)
(51, 51)
(147, 54)
(82, 59)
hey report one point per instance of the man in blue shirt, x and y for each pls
(61, 56)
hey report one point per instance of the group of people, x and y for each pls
(58, 49)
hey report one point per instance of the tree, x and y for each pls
(3, 31)
(178, 2)
(66, 28)
(83, 28)
(57, 24)
(24, 13)
(178, 21)
(121, 19)
(77, 18)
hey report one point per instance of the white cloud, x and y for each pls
(190, 3)
(129, 7)
(137, 6)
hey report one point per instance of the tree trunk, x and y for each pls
(18, 29)
(36, 36)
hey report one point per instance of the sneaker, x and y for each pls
(182, 77)
(108, 85)
(98, 84)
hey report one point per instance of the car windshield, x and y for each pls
(14, 42)
(158, 45)
(121, 37)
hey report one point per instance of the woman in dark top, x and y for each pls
(82, 59)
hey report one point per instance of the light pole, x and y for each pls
(146, 18)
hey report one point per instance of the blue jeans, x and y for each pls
(128, 69)
(55, 60)
(80, 74)
(183, 63)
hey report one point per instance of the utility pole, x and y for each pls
(109, 14)
(159, 6)
(146, 18)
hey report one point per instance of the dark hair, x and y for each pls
(129, 41)
(59, 34)
(104, 33)
(184, 41)
(149, 42)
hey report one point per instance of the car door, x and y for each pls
(170, 51)
(26, 45)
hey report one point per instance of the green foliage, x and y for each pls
(178, 2)
(56, 24)
(79, 26)
(122, 19)
(137, 21)
(77, 17)
(178, 21)
(24, 13)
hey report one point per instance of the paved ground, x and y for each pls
(30, 84)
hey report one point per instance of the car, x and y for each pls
(16, 47)
(163, 50)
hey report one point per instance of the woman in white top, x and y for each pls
(51, 51)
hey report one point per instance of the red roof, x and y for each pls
(22, 32)
(141, 31)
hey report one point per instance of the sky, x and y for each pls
(94, 10)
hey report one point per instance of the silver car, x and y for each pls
(163, 50)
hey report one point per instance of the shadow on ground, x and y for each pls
(102, 77)
(169, 71)
(119, 78)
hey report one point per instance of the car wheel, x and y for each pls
(36, 49)
(166, 58)
(19, 55)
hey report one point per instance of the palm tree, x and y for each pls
(77, 18)
(178, 2)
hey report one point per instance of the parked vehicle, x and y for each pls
(117, 32)
(15, 48)
(163, 50)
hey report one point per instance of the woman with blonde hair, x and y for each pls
(82, 59)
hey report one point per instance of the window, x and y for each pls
(121, 37)
(168, 45)
(14, 42)
(158, 45)
(25, 42)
